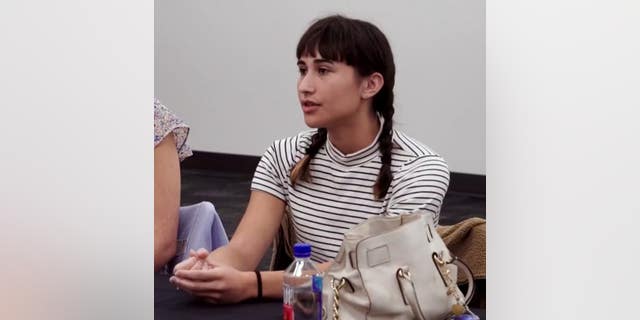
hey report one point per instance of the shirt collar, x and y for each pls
(359, 157)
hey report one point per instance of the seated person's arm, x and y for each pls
(254, 234)
(251, 240)
(229, 276)
(166, 201)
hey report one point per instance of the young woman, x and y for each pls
(353, 166)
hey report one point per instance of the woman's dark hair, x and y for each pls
(363, 46)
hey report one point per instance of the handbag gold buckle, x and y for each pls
(405, 274)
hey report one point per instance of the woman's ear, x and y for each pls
(371, 85)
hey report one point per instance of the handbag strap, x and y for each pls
(409, 295)
(450, 283)
(471, 290)
(461, 305)
(408, 291)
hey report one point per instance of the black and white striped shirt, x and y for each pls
(340, 194)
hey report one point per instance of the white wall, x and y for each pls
(229, 69)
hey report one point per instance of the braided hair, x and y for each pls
(363, 46)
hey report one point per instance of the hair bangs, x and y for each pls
(332, 39)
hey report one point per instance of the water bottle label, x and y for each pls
(287, 312)
(317, 290)
(317, 283)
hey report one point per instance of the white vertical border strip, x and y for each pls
(562, 159)
(76, 176)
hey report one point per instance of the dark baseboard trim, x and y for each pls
(221, 161)
(468, 183)
(460, 182)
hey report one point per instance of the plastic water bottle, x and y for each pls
(302, 289)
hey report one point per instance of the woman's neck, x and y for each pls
(355, 135)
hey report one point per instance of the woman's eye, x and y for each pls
(302, 71)
(323, 71)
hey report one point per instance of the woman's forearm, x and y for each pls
(229, 255)
(271, 284)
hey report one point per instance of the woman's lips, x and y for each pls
(310, 107)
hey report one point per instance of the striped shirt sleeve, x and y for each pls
(268, 176)
(422, 185)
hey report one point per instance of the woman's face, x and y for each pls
(329, 91)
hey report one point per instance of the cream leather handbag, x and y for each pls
(394, 267)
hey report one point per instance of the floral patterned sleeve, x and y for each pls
(166, 122)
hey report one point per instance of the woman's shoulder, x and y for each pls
(412, 150)
(165, 122)
(411, 145)
(286, 152)
(296, 143)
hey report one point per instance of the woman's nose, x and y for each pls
(305, 85)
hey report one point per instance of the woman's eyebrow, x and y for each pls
(315, 61)
(318, 61)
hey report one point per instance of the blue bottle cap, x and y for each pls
(301, 250)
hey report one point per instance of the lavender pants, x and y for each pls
(199, 227)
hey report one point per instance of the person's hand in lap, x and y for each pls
(215, 283)
(195, 261)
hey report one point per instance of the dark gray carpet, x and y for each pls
(229, 192)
